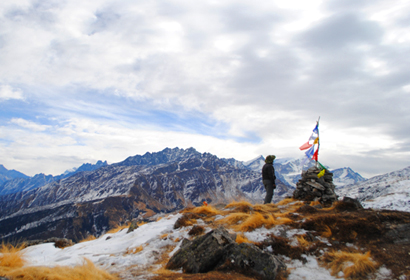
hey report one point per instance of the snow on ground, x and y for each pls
(113, 252)
(111, 249)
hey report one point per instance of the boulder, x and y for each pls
(217, 250)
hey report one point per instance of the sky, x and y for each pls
(82, 81)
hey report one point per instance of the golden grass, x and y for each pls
(241, 206)
(11, 258)
(163, 236)
(119, 228)
(254, 221)
(286, 201)
(134, 250)
(240, 238)
(88, 238)
(206, 210)
(85, 271)
(314, 203)
(282, 221)
(326, 232)
(303, 242)
(12, 267)
(353, 265)
(233, 219)
(265, 208)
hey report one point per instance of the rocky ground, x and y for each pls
(303, 240)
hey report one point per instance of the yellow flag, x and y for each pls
(321, 173)
(316, 141)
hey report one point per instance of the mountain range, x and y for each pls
(96, 197)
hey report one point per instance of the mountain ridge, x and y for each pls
(168, 180)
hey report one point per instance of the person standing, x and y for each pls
(268, 178)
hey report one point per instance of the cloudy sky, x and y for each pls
(82, 81)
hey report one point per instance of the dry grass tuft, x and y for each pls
(10, 258)
(163, 236)
(233, 219)
(88, 238)
(265, 208)
(326, 232)
(119, 228)
(240, 238)
(353, 265)
(303, 242)
(254, 221)
(134, 250)
(241, 206)
(286, 201)
(205, 210)
(82, 272)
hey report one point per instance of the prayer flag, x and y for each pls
(316, 141)
(309, 153)
(316, 129)
(313, 137)
(305, 146)
(321, 173)
(315, 155)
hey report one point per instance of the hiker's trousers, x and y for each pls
(269, 187)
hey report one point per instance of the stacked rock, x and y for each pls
(312, 188)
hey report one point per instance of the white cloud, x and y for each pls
(252, 70)
(7, 92)
(29, 124)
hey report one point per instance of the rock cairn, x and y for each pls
(312, 188)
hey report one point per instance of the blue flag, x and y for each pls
(309, 153)
(315, 130)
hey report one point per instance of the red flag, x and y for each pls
(315, 155)
(305, 146)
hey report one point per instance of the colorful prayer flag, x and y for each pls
(309, 153)
(305, 146)
(315, 155)
(321, 173)
(316, 130)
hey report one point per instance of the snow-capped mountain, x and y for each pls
(346, 176)
(140, 185)
(289, 170)
(388, 191)
(21, 182)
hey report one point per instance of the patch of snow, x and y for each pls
(307, 271)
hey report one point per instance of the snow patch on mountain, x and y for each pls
(388, 191)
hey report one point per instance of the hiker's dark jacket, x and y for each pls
(268, 172)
